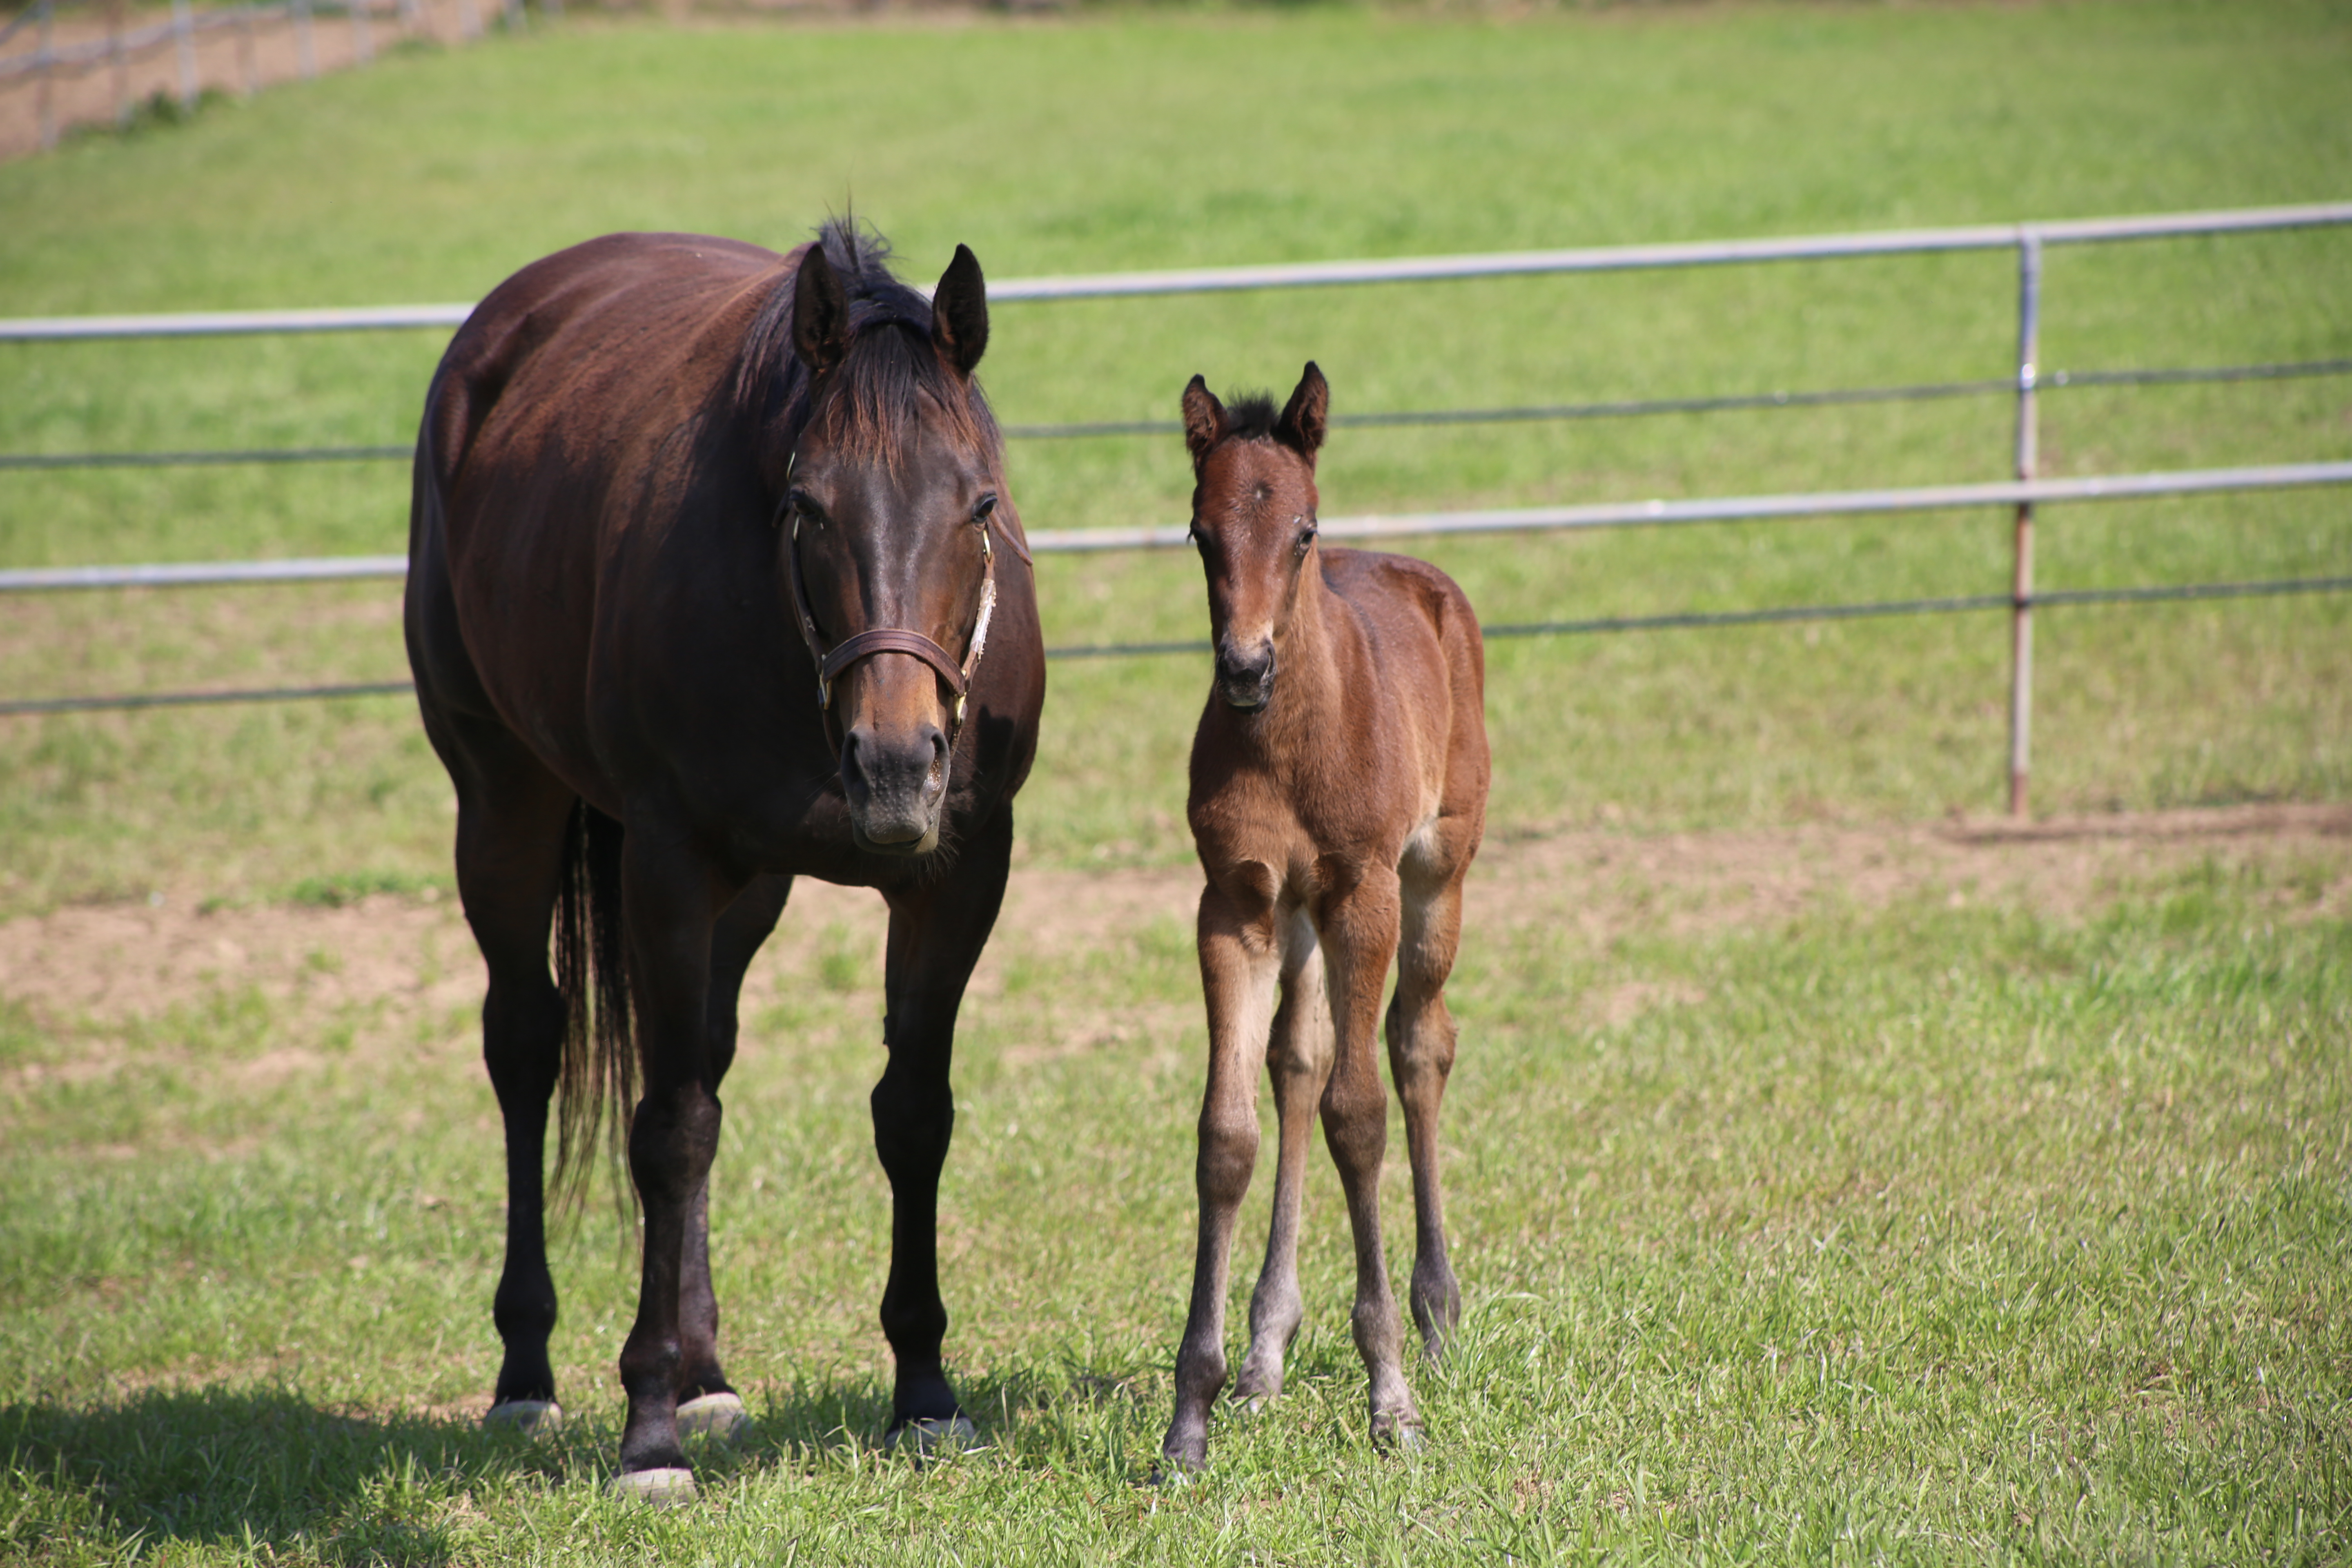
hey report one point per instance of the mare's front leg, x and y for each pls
(672, 898)
(707, 1403)
(1240, 963)
(937, 932)
(1360, 937)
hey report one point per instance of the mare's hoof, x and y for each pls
(531, 1417)
(716, 1415)
(665, 1488)
(1391, 1435)
(932, 1435)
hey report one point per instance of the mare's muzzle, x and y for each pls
(1245, 676)
(896, 784)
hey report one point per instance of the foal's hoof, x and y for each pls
(1391, 1435)
(664, 1488)
(531, 1417)
(715, 1415)
(934, 1435)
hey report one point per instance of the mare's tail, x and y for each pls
(591, 970)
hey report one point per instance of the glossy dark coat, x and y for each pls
(620, 448)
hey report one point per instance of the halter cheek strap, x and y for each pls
(889, 639)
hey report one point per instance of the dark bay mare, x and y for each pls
(1338, 794)
(714, 581)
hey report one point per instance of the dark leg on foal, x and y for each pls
(1240, 966)
(511, 820)
(746, 925)
(1421, 1056)
(1299, 1060)
(936, 935)
(1359, 937)
(672, 899)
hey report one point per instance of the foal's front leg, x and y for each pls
(1240, 963)
(1299, 1060)
(671, 900)
(1360, 937)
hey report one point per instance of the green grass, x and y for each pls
(1929, 1233)
(1131, 139)
(1950, 1234)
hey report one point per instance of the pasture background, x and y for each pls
(2016, 1227)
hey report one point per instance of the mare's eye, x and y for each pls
(805, 510)
(979, 513)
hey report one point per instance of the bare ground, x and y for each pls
(410, 960)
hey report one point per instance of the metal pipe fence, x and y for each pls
(2019, 495)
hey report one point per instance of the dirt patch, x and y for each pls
(407, 964)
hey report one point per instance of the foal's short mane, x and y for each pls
(1251, 418)
(890, 362)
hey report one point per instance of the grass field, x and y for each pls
(1998, 1214)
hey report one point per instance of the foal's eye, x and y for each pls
(1306, 538)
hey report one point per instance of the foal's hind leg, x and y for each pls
(707, 1402)
(1299, 1060)
(1421, 1055)
(512, 817)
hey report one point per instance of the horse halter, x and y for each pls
(890, 639)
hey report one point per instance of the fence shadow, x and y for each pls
(251, 1468)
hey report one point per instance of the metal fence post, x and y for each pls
(362, 40)
(47, 89)
(121, 62)
(305, 48)
(183, 45)
(2020, 677)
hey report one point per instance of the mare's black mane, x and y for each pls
(890, 363)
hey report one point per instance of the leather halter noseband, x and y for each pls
(890, 639)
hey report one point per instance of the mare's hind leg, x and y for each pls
(513, 819)
(707, 1402)
(1421, 1055)
(1299, 1060)
(936, 933)
(1360, 937)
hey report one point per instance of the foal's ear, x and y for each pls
(819, 312)
(1304, 418)
(1204, 420)
(960, 312)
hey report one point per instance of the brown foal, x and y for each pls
(1339, 793)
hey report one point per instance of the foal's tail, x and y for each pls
(591, 970)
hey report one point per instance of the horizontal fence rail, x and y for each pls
(2021, 495)
(1614, 514)
(1304, 275)
(1636, 408)
(1670, 621)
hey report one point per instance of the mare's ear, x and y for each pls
(1204, 420)
(819, 312)
(1303, 419)
(960, 312)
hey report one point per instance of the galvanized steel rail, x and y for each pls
(1510, 519)
(2022, 493)
(1301, 275)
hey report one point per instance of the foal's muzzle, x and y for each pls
(896, 787)
(1245, 676)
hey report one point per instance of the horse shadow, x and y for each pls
(249, 1468)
